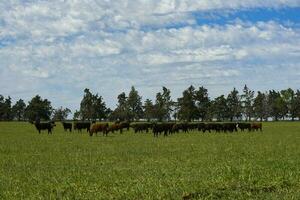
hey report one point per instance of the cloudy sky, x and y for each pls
(57, 48)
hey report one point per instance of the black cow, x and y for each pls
(141, 127)
(244, 126)
(165, 128)
(44, 126)
(67, 126)
(82, 125)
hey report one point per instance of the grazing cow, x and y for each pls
(44, 126)
(184, 127)
(229, 127)
(99, 128)
(165, 128)
(82, 125)
(141, 127)
(114, 127)
(205, 127)
(67, 126)
(244, 126)
(125, 125)
(256, 126)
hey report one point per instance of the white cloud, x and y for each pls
(107, 46)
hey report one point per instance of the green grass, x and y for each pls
(138, 166)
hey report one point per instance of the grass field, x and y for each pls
(138, 166)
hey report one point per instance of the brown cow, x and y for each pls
(256, 126)
(99, 128)
(114, 127)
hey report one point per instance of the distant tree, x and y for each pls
(202, 102)
(163, 105)
(5, 108)
(296, 106)
(288, 97)
(260, 106)
(61, 114)
(148, 110)
(220, 108)
(135, 105)
(187, 109)
(278, 107)
(86, 105)
(99, 108)
(77, 115)
(247, 102)
(234, 105)
(38, 108)
(19, 110)
(121, 112)
(92, 107)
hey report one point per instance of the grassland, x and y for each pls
(138, 166)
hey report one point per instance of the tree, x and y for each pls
(288, 97)
(99, 108)
(219, 108)
(92, 107)
(86, 105)
(260, 106)
(135, 105)
(278, 107)
(61, 114)
(234, 105)
(148, 110)
(187, 109)
(19, 109)
(202, 103)
(38, 108)
(296, 106)
(5, 108)
(121, 112)
(163, 105)
(247, 102)
(77, 115)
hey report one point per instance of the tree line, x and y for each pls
(194, 105)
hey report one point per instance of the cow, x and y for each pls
(165, 128)
(114, 127)
(229, 127)
(44, 126)
(256, 126)
(244, 126)
(67, 126)
(141, 127)
(184, 127)
(99, 128)
(125, 125)
(82, 125)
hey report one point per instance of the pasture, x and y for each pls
(138, 166)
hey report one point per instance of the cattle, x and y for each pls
(141, 127)
(205, 127)
(191, 126)
(256, 126)
(114, 127)
(99, 128)
(184, 127)
(229, 127)
(44, 126)
(165, 128)
(67, 126)
(244, 126)
(79, 126)
(125, 125)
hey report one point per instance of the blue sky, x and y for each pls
(58, 48)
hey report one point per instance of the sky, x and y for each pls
(58, 48)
